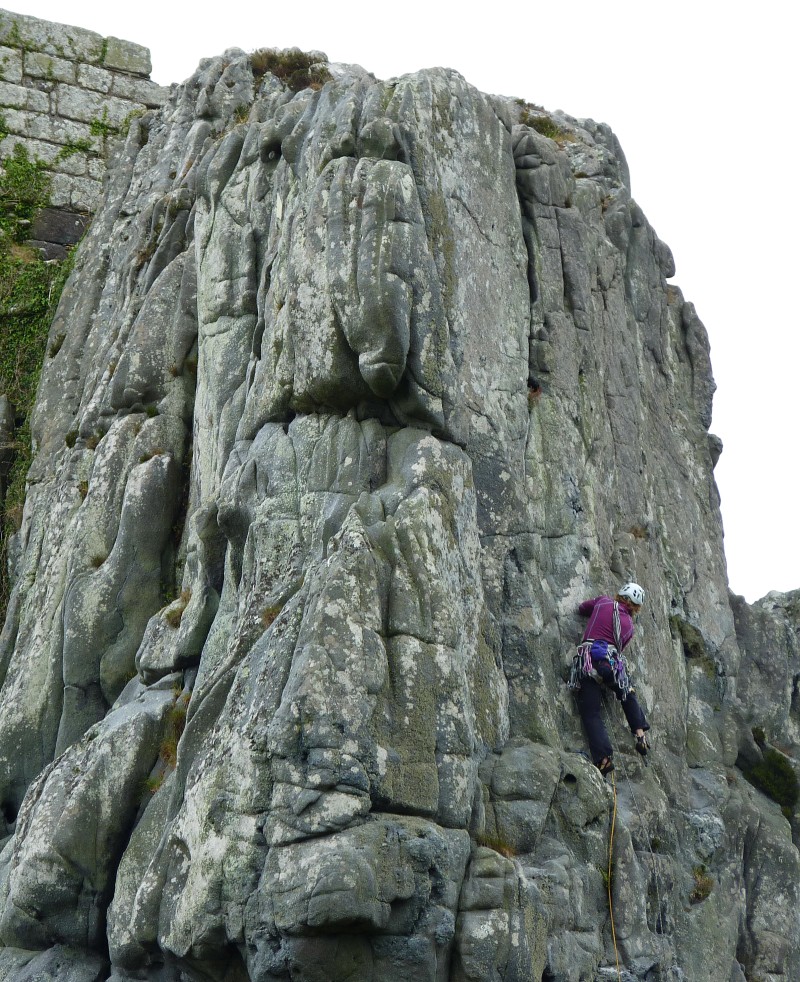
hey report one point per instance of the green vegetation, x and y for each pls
(176, 724)
(537, 119)
(703, 884)
(13, 38)
(76, 146)
(168, 749)
(100, 126)
(775, 777)
(24, 189)
(29, 292)
(296, 69)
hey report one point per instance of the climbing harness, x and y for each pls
(591, 651)
(583, 662)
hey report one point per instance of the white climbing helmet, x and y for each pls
(633, 592)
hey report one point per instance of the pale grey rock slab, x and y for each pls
(73, 825)
(501, 930)
(767, 632)
(138, 90)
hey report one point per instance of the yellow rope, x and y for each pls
(610, 851)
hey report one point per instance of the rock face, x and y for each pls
(361, 389)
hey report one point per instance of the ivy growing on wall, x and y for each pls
(29, 292)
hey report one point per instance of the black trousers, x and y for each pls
(590, 704)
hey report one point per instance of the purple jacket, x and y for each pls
(601, 621)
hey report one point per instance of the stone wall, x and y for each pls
(65, 94)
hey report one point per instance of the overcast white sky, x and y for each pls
(703, 99)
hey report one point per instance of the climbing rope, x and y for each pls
(610, 870)
(618, 759)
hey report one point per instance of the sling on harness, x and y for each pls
(590, 651)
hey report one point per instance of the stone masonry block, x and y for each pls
(16, 121)
(52, 225)
(36, 148)
(140, 90)
(72, 43)
(37, 64)
(125, 56)
(56, 130)
(38, 101)
(81, 194)
(22, 99)
(94, 78)
(73, 163)
(14, 96)
(75, 103)
(10, 64)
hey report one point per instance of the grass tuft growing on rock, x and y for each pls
(497, 843)
(268, 614)
(297, 69)
(542, 122)
(176, 724)
(703, 885)
(174, 613)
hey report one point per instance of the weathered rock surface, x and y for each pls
(361, 390)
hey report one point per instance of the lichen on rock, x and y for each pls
(360, 389)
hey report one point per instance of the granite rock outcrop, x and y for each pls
(361, 387)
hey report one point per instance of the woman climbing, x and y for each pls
(599, 662)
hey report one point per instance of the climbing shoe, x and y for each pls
(606, 766)
(642, 746)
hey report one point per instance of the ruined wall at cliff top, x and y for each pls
(357, 391)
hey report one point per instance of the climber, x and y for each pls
(599, 662)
